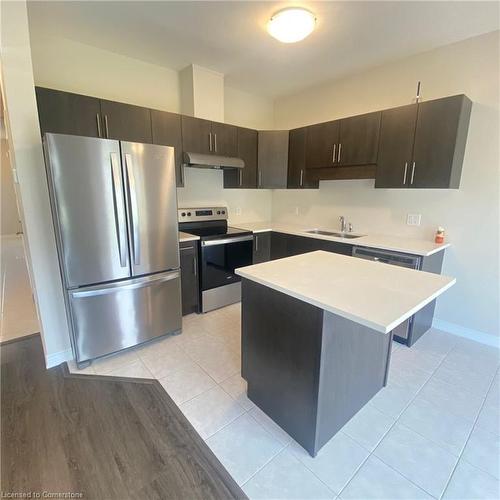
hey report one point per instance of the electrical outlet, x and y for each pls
(413, 219)
(238, 211)
(297, 211)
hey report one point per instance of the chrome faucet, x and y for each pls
(343, 224)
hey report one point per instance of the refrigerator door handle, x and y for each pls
(134, 222)
(132, 285)
(119, 209)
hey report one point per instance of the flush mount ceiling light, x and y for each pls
(291, 25)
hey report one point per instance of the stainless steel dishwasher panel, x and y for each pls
(403, 330)
(111, 317)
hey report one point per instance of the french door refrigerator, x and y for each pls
(115, 214)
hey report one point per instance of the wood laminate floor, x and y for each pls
(102, 437)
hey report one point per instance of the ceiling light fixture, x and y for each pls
(291, 25)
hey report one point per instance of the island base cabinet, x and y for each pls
(309, 370)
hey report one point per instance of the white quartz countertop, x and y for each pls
(379, 296)
(187, 237)
(394, 243)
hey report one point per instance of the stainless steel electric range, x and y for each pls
(222, 250)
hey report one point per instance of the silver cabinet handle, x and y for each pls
(301, 178)
(340, 149)
(106, 126)
(240, 177)
(256, 243)
(215, 142)
(98, 119)
(134, 215)
(260, 178)
(404, 175)
(412, 173)
(195, 266)
(181, 175)
(210, 141)
(211, 243)
(333, 154)
(119, 209)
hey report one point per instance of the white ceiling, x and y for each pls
(230, 37)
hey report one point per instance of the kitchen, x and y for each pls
(298, 187)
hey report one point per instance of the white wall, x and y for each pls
(27, 158)
(470, 215)
(9, 216)
(66, 65)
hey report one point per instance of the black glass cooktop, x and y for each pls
(209, 230)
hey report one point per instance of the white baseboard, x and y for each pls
(468, 333)
(58, 357)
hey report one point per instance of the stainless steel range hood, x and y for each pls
(201, 160)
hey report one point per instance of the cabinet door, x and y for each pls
(397, 133)
(225, 139)
(247, 151)
(440, 139)
(279, 248)
(189, 277)
(358, 140)
(321, 144)
(166, 131)
(272, 159)
(196, 135)
(126, 122)
(261, 247)
(298, 176)
(66, 113)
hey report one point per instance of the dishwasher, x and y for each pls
(403, 332)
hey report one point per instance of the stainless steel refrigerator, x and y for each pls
(115, 214)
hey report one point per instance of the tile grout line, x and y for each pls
(390, 428)
(469, 435)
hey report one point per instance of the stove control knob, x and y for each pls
(183, 214)
(223, 212)
(189, 214)
(218, 212)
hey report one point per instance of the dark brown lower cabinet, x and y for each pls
(286, 245)
(67, 113)
(189, 277)
(166, 130)
(261, 247)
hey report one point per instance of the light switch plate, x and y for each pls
(297, 211)
(413, 219)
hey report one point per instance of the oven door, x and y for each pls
(219, 259)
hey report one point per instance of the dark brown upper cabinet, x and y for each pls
(225, 139)
(440, 140)
(298, 175)
(272, 159)
(247, 150)
(126, 122)
(196, 135)
(426, 151)
(358, 140)
(204, 136)
(321, 144)
(166, 130)
(397, 134)
(67, 113)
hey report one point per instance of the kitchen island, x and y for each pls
(316, 336)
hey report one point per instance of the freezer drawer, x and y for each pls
(111, 317)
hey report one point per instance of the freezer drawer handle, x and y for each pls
(119, 209)
(211, 243)
(114, 287)
(134, 222)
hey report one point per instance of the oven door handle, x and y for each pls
(224, 241)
